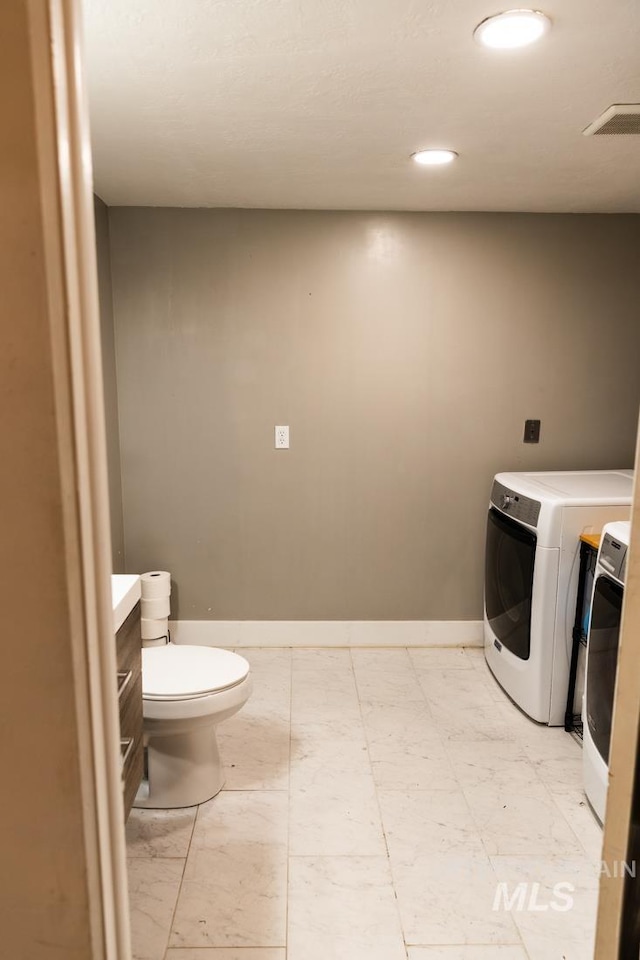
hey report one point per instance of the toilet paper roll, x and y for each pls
(156, 608)
(156, 583)
(154, 629)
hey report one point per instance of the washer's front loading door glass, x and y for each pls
(510, 558)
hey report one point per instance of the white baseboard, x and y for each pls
(328, 633)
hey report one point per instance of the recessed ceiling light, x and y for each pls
(433, 158)
(514, 28)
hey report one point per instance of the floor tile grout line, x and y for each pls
(184, 868)
(288, 870)
(464, 943)
(377, 794)
(411, 671)
(131, 857)
(338, 856)
(366, 740)
(417, 679)
(556, 806)
(587, 854)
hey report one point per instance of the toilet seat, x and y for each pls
(188, 672)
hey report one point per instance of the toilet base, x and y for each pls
(181, 769)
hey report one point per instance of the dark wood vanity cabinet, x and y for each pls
(129, 658)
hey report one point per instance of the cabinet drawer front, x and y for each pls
(131, 708)
(131, 735)
(129, 642)
(132, 772)
(129, 660)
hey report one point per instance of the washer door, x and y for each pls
(508, 587)
(602, 661)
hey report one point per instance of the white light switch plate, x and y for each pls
(282, 438)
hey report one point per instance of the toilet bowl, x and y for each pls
(186, 692)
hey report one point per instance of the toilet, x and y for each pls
(186, 692)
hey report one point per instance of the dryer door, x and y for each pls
(602, 660)
(509, 562)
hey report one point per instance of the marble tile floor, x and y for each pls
(375, 799)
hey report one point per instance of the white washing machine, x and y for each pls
(531, 577)
(602, 661)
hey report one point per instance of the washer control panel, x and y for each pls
(515, 504)
(613, 556)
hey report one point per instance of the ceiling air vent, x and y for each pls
(621, 119)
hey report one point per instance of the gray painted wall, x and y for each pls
(405, 352)
(107, 334)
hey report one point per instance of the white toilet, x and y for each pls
(187, 691)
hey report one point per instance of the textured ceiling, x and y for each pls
(318, 104)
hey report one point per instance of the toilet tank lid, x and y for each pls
(178, 671)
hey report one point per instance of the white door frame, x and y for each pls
(66, 187)
(611, 943)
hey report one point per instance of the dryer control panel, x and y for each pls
(515, 504)
(613, 557)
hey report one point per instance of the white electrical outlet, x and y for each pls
(282, 438)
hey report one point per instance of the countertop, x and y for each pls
(593, 539)
(125, 593)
